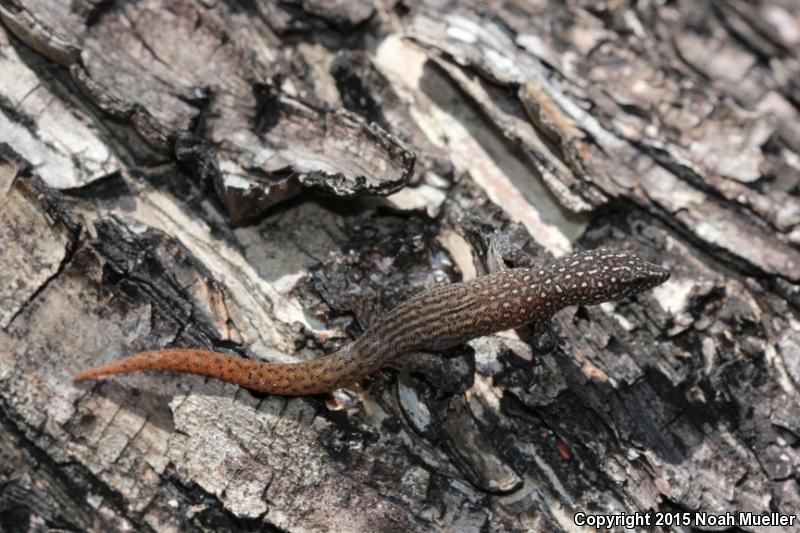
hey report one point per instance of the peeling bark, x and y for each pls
(265, 178)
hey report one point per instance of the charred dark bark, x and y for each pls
(265, 177)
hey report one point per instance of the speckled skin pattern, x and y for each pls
(433, 320)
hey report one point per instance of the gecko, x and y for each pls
(433, 320)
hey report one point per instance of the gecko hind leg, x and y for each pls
(450, 372)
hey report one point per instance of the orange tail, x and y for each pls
(292, 379)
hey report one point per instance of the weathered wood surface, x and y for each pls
(215, 174)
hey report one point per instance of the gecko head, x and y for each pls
(626, 273)
(602, 275)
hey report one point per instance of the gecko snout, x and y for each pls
(645, 276)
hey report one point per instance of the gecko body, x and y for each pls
(434, 320)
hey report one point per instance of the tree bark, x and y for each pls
(265, 178)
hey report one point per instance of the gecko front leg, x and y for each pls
(545, 339)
